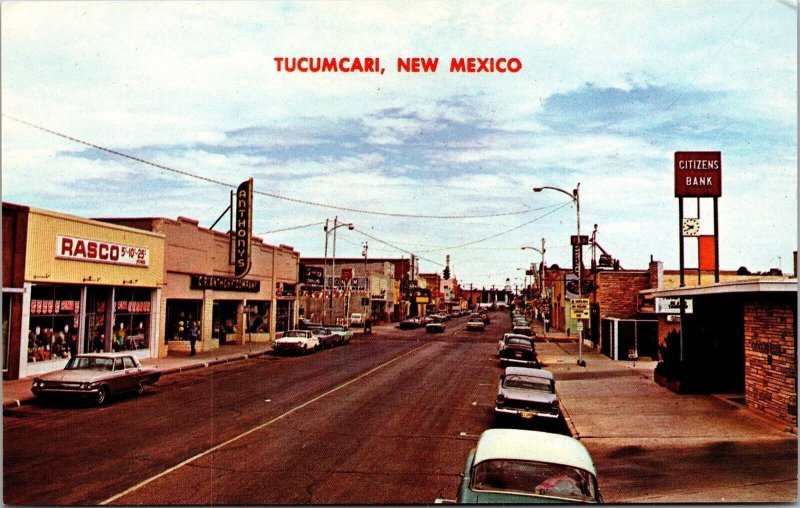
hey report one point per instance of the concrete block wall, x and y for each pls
(770, 336)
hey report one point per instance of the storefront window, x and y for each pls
(132, 319)
(259, 320)
(284, 319)
(224, 319)
(180, 316)
(53, 331)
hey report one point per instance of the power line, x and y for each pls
(262, 193)
(291, 228)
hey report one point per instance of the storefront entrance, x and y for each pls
(224, 318)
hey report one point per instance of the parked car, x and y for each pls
(345, 334)
(475, 324)
(522, 329)
(305, 324)
(296, 341)
(96, 377)
(527, 466)
(412, 322)
(527, 393)
(326, 338)
(357, 318)
(506, 336)
(435, 326)
(519, 351)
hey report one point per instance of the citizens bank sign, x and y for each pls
(698, 174)
(97, 251)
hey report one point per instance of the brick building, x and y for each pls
(740, 338)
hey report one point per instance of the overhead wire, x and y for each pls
(258, 192)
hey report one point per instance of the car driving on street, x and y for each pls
(436, 325)
(475, 324)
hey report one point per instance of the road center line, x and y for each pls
(257, 428)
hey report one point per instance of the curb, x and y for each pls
(12, 403)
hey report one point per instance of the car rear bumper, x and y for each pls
(525, 413)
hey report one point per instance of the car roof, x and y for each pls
(103, 355)
(515, 336)
(527, 371)
(515, 444)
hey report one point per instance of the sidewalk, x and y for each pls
(652, 445)
(18, 391)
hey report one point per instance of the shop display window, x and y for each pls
(181, 314)
(54, 316)
(259, 320)
(131, 319)
(284, 319)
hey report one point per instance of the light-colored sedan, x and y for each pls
(296, 341)
(345, 334)
(526, 466)
(527, 393)
(96, 377)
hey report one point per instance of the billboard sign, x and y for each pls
(698, 174)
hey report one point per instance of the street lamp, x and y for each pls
(575, 196)
(541, 272)
(336, 225)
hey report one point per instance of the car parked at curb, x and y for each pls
(501, 344)
(326, 338)
(520, 351)
(527, 466)
(345, 334)
(475, 324)
(96, 377)
(527, 393)
(357, 318)
(410, 323)
(296, 341)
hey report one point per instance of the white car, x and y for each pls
(527, 393)
(526, 466)
(344, 334)
(296, 341)
(356, 318)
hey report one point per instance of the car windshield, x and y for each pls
(90, 363)
(528, 382)
(337, 328)
(535, 478)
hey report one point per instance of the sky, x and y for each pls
(159, 109)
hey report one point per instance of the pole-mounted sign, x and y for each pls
(698, 174)
(243, 229)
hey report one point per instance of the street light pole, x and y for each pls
(336, 225)
(575, 196)
(325, 272)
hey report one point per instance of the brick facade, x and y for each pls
(770, 332)
(618, 292)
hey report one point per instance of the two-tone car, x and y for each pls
(436, 325)
(506, 336)
(526, 466)
(296, 341)
(475, 324)
(527, 393)
(345, 334)
(96, 377)
(519, 350)
(325, 337)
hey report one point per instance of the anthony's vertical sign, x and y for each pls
(243, 230)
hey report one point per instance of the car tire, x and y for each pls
(102, 396)
(140, 388)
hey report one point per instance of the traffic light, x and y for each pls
(446, 273)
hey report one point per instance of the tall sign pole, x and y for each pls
(697, 175)
(243, 229)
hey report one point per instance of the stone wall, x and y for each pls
(770, 338)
